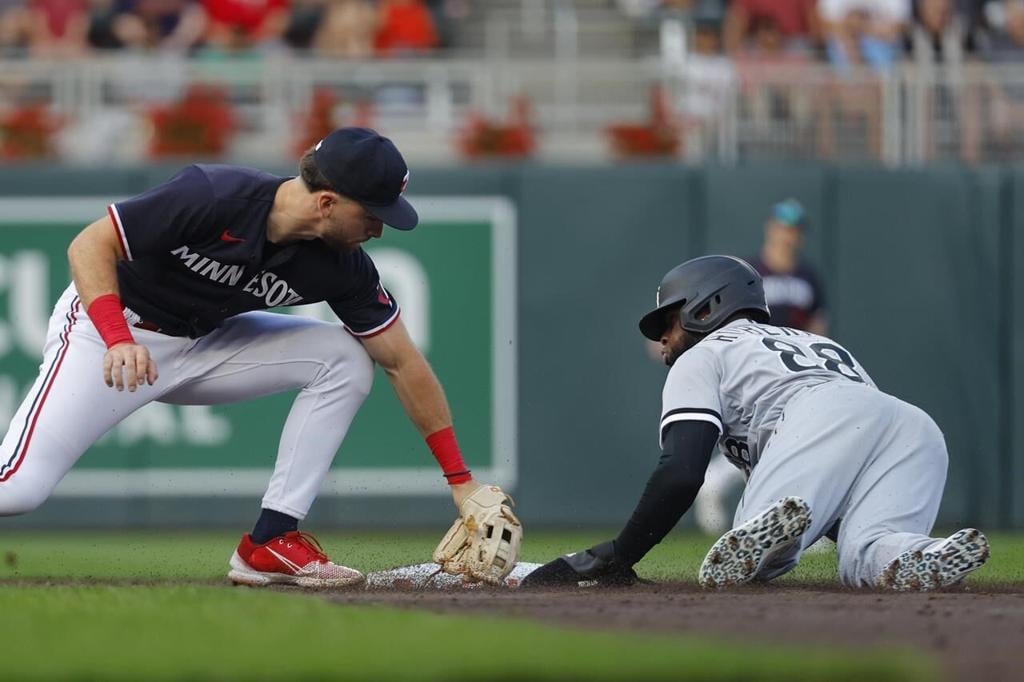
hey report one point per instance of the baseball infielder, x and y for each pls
(167, 303)
(822, 448)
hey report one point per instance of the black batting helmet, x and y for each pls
(714, 287)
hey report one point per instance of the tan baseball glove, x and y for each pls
(483, 544)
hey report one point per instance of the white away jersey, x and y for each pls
(740, 378)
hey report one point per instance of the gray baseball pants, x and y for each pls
(857, 455)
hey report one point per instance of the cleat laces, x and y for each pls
(312, 545)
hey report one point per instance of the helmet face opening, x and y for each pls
(707, 291)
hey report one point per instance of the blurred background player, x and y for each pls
(791, 284)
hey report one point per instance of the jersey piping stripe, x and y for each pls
(25, 439)
(692, 410)
(695, 415)
(379, 328)
(116, 218)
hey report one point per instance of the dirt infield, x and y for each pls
(976, 635)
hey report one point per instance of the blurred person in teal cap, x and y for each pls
(791, 285)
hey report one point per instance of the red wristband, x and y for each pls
(446, 451)
(107, 315)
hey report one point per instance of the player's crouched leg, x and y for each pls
(337, 374)
(29, 475)
(348, 368)
(17, 498)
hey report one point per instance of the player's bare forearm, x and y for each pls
(417, 388)
(93, 256)
(410, 374)
(421, 395)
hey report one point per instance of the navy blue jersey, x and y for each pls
(795, 297)
(197, 252)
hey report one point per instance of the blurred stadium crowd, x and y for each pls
(959, 95)
(844, 33)
(900, 81)
(877, 33)
(335, 28)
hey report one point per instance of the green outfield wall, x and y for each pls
(524, 286)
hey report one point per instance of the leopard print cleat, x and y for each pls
(944, 563)
(739, 554)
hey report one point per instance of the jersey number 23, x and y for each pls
(831, 356)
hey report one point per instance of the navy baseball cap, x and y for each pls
(369, 169)
(791, 212)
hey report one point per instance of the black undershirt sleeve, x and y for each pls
(670, 490)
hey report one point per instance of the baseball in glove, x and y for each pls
(483, 543)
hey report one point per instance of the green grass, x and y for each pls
(206, 633)
(58, 626)
(161, 555)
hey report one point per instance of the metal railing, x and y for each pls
(725, 111)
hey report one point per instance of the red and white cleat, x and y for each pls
(295, 558)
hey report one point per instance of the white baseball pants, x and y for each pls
(857, 454)
(254, 354)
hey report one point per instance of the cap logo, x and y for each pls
(657, 298)
(405, 182)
